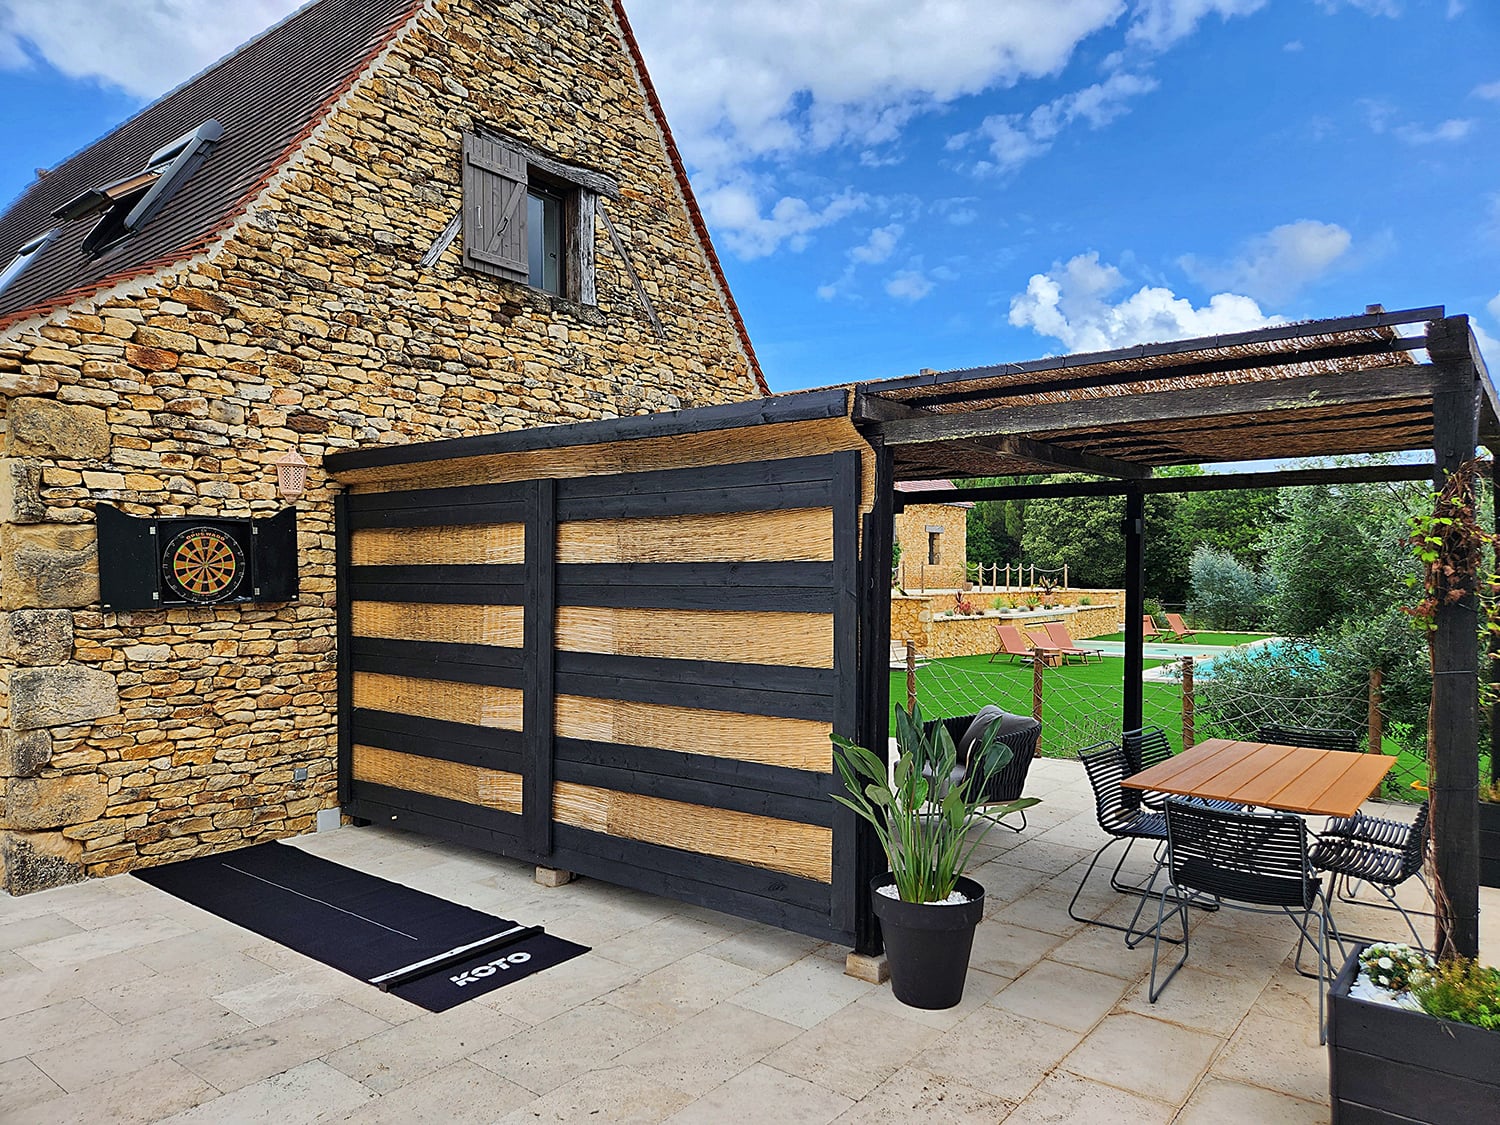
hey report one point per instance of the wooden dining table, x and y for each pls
(1298, 779)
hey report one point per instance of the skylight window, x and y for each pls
(24, 257)
(129, 204)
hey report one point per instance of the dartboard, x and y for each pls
(203, 564)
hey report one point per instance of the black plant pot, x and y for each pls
(927, 946)
(1489, 844)
(1391, 1065)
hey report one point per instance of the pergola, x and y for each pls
(1353, 385)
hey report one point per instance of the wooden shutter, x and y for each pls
(495, 208)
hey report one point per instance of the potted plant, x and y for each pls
(1411, 1040)
(925, 810)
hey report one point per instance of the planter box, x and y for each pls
(1391, 1065)
(1489, 844)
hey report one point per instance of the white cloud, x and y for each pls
(909, 285)
(1388, 8)
(142, 48)
(734, 210)
(878, 247)
(1015, 138)
(1070, 304)
(1454, 129)
(1494, 307)
(1275, 265)
(1490, 91)
(1160, 23)
(1489, 347)
(1292, 46)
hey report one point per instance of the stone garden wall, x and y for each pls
(925, 619)
(133, 738)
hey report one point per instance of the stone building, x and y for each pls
(933, 538)
(380, 221)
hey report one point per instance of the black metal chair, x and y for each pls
(1388, 833)
(1248, 861)
(1123, 817)
(1319, 738)
(1392, 853)
(1020, 732)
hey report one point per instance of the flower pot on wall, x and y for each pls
(1489, 844)
(927, 945)
(1388, 1064)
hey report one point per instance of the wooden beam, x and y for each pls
(1414, 382)
(1214, 482)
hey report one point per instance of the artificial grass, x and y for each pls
(1223, 640)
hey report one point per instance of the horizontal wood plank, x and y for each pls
(799, 640)
(488, 747)
(779, 845)
(454, 781)
(750, 689)
(480, 543)
(452, 624)
(434, 660)
(474, 704)
(795, 535)
(802, 784)
(792, 743)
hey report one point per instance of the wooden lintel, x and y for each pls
(1404, 382)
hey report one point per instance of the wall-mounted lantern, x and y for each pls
(291, 475)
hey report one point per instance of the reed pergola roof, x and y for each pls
(1318, 388)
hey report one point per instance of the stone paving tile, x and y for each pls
(1000, 1053)
(1277, 1054)
(1146, 1056)
(41, 1029)
(712, 1047)
(248, 1055)
(979, 987)
(151, 992)
(1049, 859)
(1218, 1101)
(461, 1093)
(778, 1098)
(69, 950)
(853, 1050)
(618, 1095)
(121, 1051)
(913, 1094)
(1064, 995)
(24, 991)
(1199, 1000)
(278, 995)
(556, 1051)
(662, 941)
(216, 940)
(763, 948)
(22, 1084)
(1065, 1098)
(393, 1057)
(310, 1092)
(1007, 950)
(159, 1091)
(803, 993)
(1046, 908)
(540, 997)
(38, 928)
(674, 992)
(1103, 950)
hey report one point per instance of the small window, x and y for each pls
(24, 257)
(934, 550)
(544, 239)
(130, 203)
(530, 218)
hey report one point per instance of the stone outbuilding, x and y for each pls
(933, 538)
(381, 221)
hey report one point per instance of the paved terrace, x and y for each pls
(119, 1003)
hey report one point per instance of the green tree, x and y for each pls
(1085, 533)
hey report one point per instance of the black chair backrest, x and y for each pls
(1247, 857)
(1107, 766)
(1319, 738)
(1414, 853)
(1145, 747)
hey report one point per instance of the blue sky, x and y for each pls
(899, 184)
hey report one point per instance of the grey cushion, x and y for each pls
(987, 715)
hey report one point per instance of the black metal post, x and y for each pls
(1134, 530)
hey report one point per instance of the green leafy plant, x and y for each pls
(1393, 966)
(1085, 600)
(921, 816)
(1461, 990)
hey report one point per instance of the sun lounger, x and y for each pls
(1179, 626)
(1062, 640)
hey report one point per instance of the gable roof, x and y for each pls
(268, 95)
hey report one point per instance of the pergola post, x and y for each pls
(1134, 530)
(1455, 661)
(1494, 640)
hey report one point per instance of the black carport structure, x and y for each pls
(1384, 382)
(618, 647)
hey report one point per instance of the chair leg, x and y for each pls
(1143, 893)
(1153, 990)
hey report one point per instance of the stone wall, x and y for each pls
(911, 527)
(133, 738)
(924, 619)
